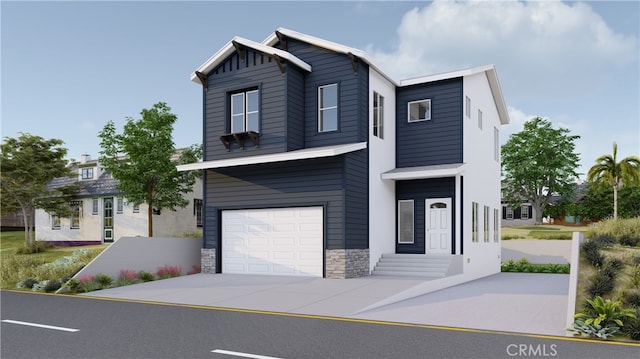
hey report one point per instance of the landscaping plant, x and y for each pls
(602, 318)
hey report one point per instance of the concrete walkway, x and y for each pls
(512, 302)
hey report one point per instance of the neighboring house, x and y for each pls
(102, 215)
(525, 215)
(14, 221)
(568, 216)
(318, 163)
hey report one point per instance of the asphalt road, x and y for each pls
(81, 327)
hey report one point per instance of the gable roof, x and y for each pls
(267, 47)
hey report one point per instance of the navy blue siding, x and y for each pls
(330, 67)
(295, 109)
(233, 75)
(433, 142)
(293, 184)
(418, 191)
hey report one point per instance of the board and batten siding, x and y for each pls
(294, 184)
(436, 141)
(418, 191)
(330, 67)
(233, 75)
(295, 109)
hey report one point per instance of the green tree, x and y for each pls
(29, 164)
(609, 172)
(143, 159)
(538, 162)
(598, 201)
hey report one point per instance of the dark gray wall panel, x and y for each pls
(356, 200)
(419, 190)
(433, 142)
(295, 109)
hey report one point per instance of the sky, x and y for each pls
(67, 68)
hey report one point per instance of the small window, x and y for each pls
(524, 212)
(405, 221)
(87, 173)
(496, 224)
(467, 107)
(245, 111)
(119, 205)
(419, 110)
(378, 115)
(136, 208)
(474, 221)
(94, 206)
(328, 108)
(76, 212)
(197, 211)
(509, 213)
(485, 223)
(496, 144)
(479, 119)
(55, 222)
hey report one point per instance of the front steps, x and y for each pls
(413, 265)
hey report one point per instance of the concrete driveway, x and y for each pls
(512, 302)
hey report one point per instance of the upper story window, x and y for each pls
(419, 110)
(479, 119)
(378, 115)
(119, 205)
(467, 107)
(87, 173)
(245, 111)
(197, 211)
(496, 144)
(328, 108)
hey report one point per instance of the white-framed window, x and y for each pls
(524, 212)
(485, 223)
(76, 213)
(328, 108)
(474, 221)
(245, 111)
(136, 208)
(378, 115)
(496, 223)
(94, 206)
(467, 108)
(87, 173)
(405, 221)
(419, 110)
(496, 144)
(509, 214)
(119, 205)
(480, 119)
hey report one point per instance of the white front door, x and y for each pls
(438, 225)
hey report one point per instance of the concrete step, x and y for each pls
(409, 274)
(388, 267)
(413, 265)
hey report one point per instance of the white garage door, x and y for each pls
(280, 241)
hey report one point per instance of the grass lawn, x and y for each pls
(14, 267)
(545, 231)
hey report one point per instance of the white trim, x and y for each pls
(413, 221)
(229, 49)
(435, 171)
(427, 114)
(307, 153)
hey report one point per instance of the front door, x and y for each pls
(107, 220)
(438, 225)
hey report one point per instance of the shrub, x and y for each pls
(506, 237)
(631, 326)
(37, 247)
(168, 271)
(551, 234)
(104, 280)
(636, 260)
(632, 299)
(635, 276)
(601, 284)
(126, 277)
(27, 283)
(72, 284)
(618, 228)
(630, 241)
(604, 240)
(146, 276)
(52, 285)
(612, 268)
(591, 250)
(602, 319)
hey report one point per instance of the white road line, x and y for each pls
(40, 325)
(244, 355)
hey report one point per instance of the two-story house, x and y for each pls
(102, 215)
(318, 163)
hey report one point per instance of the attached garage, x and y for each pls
(276, 241)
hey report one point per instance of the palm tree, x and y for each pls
(607, 171)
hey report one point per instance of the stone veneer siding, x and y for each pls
(208, 260)
(347, 263)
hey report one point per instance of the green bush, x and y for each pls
(551, 234)
(506, 237)
(601, 319)
(601, 284)
(52, 286)
(591, 250)
(146, 276)
(604, 240)
(27, 283)
(632, 299)
(104, 280)
(629, 241)
(37, 247)
(523, 266)
(631, 326)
